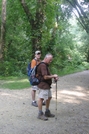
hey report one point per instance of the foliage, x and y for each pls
(0, 14)
(57, 35)
(14, 83)
(86, 65)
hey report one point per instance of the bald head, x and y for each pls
(48, 55)
(48, 58)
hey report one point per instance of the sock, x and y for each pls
(40, 112)
(47, 110)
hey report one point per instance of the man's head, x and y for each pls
(37, 54)
(48, 58)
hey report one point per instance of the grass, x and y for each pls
(19, 83)
(14, 83)
(13, 77)
(70, 70)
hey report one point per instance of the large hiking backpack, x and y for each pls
(33, 79)
(29, 69)
(31, 72)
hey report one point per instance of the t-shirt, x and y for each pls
(34, 62)
(43, 70)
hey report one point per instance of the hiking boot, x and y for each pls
(43, 103)
(42, 117)
(48, 114)
(34, 103)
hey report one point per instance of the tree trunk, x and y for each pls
(36, 24)
(83, 19)
(3, 29)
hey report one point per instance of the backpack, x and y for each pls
(29, 69)
(31, 72)
(33, 79)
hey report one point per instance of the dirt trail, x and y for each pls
(17, 116)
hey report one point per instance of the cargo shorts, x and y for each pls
(44, 93)
(34, 88)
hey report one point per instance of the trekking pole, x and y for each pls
(56, 101)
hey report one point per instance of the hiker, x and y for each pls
(35, 62)
(43, 74)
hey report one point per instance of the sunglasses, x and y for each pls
(38, 53)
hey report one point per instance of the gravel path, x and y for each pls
(17, 116)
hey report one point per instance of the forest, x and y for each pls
(59, 27)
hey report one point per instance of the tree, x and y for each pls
(3, 28)
(36, 22)
(39, 24)
(81, 10)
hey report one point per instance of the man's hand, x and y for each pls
(55, 77)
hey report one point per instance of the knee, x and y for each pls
(50, 98)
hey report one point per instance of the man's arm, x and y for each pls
(46, 77)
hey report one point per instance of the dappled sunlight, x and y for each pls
(71, 108)
(15, 84)
(79, 88)
(10, 95)
(12, 81)
(74, 95)
(64, 98)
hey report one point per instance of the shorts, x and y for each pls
(44, 94)
(34, 88)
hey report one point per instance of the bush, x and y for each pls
(86, 65)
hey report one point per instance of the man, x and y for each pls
(35, 62)
(43, 74)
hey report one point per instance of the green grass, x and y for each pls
(13, 77)
(14, 83)
(70, 70)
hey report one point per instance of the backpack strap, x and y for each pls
(38, 66)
